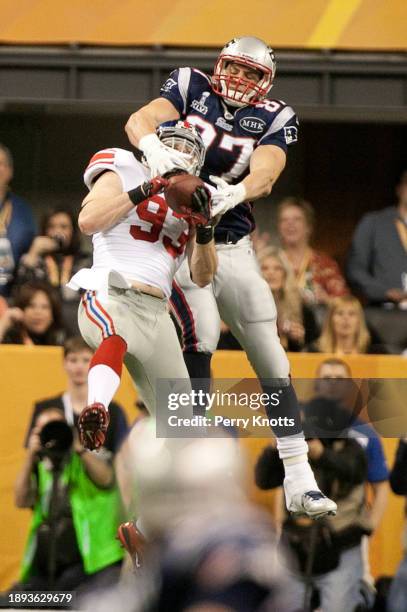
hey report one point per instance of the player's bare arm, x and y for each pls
(148, 118)
(104, 205)
(202, 260)
(266, 164)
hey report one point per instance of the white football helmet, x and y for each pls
(177, 477)
(185, 138)
(252, 53)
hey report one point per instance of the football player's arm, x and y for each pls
(145, 121)
(202, 259)
(105, 205)
(266, 164)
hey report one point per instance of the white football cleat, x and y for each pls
(312, 504)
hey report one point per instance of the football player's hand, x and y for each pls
(156, 185)
(93, 423)
(160, 158)
(226, 196)
(201, 207)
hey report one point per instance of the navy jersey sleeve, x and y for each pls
(283, 130)
(176, 88)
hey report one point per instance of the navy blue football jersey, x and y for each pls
(230, 135)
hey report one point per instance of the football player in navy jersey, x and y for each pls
(246, 137)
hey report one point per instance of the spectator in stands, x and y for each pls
(54, 257)
(327, 552)
(336, 400)
(377, 264)
(295, 320)
(17, 225)
(317, 275)
(334, 382)
(398, 482)
(35, 317)
(77, 358)
(340, 464)
(344, 330)
(75, 505)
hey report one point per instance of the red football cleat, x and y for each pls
(93, 423)
(133, 541)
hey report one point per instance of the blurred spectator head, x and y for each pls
(274, 269)
(61, 225)
(344, 319)
(401, 189)
(77, 358)
(281, 280)
(42, 310)
(334, 382)
(333, 379)
(295, 221)
(6, 166)
(333, 368)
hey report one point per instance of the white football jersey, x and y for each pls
(147, 245)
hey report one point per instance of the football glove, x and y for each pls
(93, 423)
(160, 158)
(148, 189)
(200, 212)
(226, 196)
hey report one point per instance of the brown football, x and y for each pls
(180, 189)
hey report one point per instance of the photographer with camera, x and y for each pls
(75, 504)
(55, 256)
(328, 553)
(72, 491)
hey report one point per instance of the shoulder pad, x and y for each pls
(116, 160)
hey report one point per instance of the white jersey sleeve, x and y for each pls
(131, 172)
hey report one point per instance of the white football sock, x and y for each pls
(103, 383)
(292, 446)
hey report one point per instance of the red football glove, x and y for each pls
(93, 423)
(146, 190)
(154, 186)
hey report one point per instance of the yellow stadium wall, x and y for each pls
(33, 373)
(354, 24)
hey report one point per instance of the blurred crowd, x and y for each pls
(199, 543)
(320, 307)
(199, 556)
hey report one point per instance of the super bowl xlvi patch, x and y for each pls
(168, 85)
(291, 134)
(199, 105)
(254, 125)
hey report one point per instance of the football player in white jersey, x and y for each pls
(247, 136)
(139, 242)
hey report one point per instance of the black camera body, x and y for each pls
(56, 439)
(60, 242)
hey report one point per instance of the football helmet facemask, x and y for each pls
(252, 53)
(185, 138)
